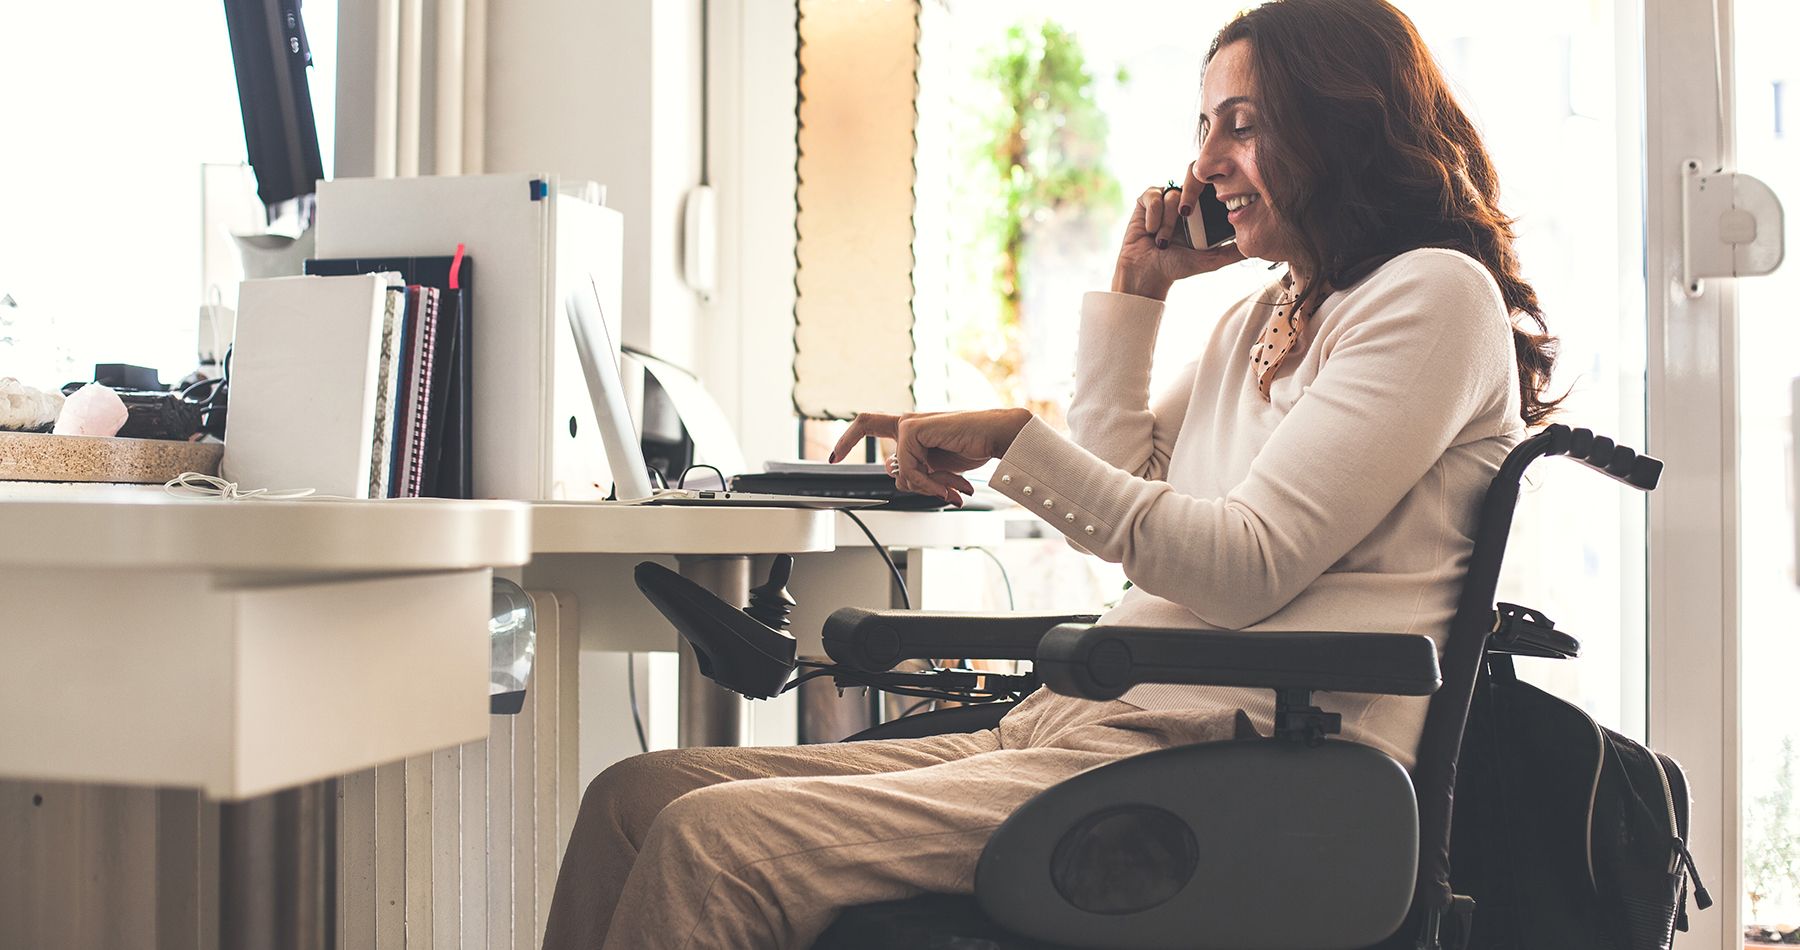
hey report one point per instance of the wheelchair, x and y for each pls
(1296, 841)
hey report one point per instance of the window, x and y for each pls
(109, 113)
(1768, 365)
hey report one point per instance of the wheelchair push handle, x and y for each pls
(1619, 462)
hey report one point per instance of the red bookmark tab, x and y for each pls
(456, 266)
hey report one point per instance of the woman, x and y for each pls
(1318, 467)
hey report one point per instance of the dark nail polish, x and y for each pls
(1162, 244)
(1187, 210)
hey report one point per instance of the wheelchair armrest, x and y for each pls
(1103, 662)
(875, 640)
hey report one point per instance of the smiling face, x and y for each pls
(1229, 129)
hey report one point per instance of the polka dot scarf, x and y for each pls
(1276, 339)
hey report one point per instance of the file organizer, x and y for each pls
(533, 431)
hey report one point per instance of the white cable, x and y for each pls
(197, 485)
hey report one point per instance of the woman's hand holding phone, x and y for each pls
(1152, 258)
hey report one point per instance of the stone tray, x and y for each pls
(37, 457)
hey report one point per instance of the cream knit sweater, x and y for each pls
(1346, 501)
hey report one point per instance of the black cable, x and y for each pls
(796, 681)
(682, 481)
(972, 698)
(1010, 605)
(905, 598)
(637, 717)
(915, 708)
(890, 683)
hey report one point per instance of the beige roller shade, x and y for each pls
(854, 319)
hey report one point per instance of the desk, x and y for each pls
(241, 647)
(591, 549)
(235, 647)
(578, 547)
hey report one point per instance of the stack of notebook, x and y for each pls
(355, 384)
(427, 414)
(404, 392)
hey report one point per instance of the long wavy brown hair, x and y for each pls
(1368, 155)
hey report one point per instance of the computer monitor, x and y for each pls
(270, 53)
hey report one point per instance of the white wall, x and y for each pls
(609, 90)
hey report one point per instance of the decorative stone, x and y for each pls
(25, 407)
(93, 410)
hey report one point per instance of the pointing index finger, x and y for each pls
(865, 424)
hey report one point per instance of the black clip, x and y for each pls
(1296, 718)
(1525, 631)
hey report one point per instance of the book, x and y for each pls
(412, 395)
(424, 359)
(305, 378)
(448, 472)
(396, 485)
(387, 385)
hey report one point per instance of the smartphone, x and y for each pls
(1212, 218)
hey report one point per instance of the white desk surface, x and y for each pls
(129, 528)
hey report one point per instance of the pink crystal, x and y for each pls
(92, 410)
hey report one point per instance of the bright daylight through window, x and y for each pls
(1768, 146)
(102, 134)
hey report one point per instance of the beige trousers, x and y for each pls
(761, 847)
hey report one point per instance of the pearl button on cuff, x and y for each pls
(1026, 489)
(1049, 503)
(1089, 529)
(1069, 517)
(1006, 479)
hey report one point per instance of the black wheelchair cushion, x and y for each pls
(1287, 846)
